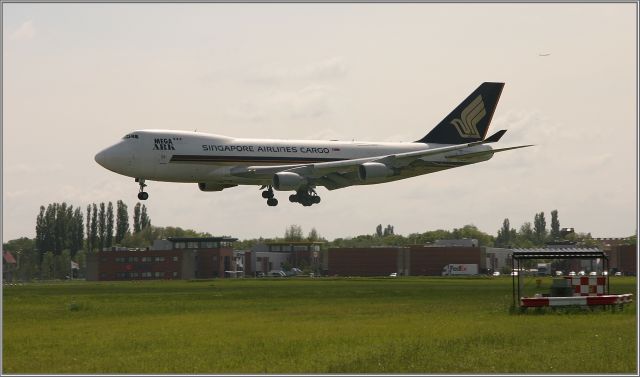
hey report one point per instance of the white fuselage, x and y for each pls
(181, 156)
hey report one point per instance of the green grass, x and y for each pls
(358, 325)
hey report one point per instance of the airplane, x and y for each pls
(217, 162)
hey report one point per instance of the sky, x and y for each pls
(78, 77)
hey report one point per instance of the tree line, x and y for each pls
(64, 234)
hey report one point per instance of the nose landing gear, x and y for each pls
(142, 195)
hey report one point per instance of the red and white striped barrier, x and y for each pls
(576, 300)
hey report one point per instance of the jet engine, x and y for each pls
(373, 170)
(203, 186)
(287, 181)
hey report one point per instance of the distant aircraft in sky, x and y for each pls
(218, 162)
(544, 54)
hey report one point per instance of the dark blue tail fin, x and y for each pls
(470, 120)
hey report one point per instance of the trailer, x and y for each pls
(458, 269)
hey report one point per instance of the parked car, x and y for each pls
(572, 273)
(496, 273)
(514, 273)
(393, 275)
(558, 273)
(593, 273)
(581, 273)
(618, 274)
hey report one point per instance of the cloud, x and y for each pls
(25, 32)
(312, 101)
(327, 69)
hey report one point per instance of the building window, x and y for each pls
(175, 274)
(175, 259)
(159, 274)
(300, 248)
(259, 259)
(275, 248)
(286, 248)
(159, 259)
(180, 245)
(315, 247)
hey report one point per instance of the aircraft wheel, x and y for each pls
(316, 199)
(267, 194)
(293, 198)
(272, 202)
(143, 195)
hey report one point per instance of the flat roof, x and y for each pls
(564, 253)
(201, 239)
(293, 242)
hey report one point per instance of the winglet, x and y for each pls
(495, 137)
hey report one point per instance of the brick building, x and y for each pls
(174, 258)
(416, 260)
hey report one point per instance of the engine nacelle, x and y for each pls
(287, 181)
(203, 186)
(373, 170)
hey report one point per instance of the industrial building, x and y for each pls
(214, 257)
(415, 260)
(270, 257)
(174, 258)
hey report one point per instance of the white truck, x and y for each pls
(456, 269)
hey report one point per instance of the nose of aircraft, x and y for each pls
(115, 158)
(101, 158)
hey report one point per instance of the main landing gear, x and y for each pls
(268, 194)
(142, 195)
(306, 197)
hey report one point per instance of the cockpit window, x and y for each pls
(130, 136)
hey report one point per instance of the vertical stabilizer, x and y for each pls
(470, 120)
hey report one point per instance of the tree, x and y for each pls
(145, 221)
(388, 231)
(504, 235)
(109, 228)
(63, 264)
(525, 237)
(539, 229)
(122, 221)
(379, 230)
(94, 227)
(102, 227)
(40, 230)
(76, 232)
(293, 233)
(89, 228)
(136, 218)
(313, 235)
(555, 225)
(47, 268)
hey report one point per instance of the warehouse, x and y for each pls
(174, 258)
(415, 260)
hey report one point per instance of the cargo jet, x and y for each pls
(218, 162)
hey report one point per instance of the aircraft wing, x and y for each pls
(338, 174)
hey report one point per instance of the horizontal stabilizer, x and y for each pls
(483, 153)
(495, 137)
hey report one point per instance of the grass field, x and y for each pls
(357, 325)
